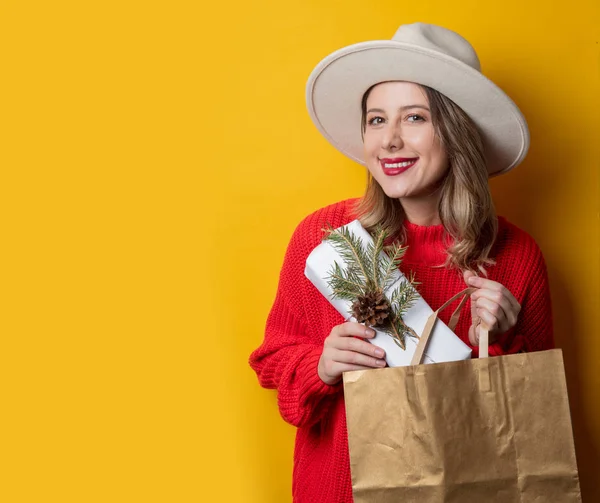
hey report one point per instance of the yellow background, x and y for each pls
(156, 157)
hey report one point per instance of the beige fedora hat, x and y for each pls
(425, 54)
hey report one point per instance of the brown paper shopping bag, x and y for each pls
(476, 431)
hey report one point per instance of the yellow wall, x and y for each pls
(156, 158)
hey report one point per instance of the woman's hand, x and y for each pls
(342, 352)
(491, 305)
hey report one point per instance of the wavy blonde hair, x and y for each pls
(465, 208)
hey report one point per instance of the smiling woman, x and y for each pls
(431, 123)
(430, 132)
(399, 139)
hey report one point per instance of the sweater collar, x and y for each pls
(427, 244)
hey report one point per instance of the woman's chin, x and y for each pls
(395, 193)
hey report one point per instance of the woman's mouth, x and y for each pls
(395, 166)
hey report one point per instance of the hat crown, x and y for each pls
(439, 39)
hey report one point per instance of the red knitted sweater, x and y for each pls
(301, 318)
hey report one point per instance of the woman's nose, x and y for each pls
(392, 139)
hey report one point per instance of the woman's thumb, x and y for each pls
(467, 275)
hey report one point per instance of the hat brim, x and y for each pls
(337, 84)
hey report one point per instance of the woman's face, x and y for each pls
(401, 149)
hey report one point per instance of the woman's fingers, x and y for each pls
(474, 335)
(497, 305)
(492, 323)
(347, 367)
(350, 329)
(348, 337)
(334, 361)
(357, 345)
(492, 305)
(493, 290)
(495, 315)
(346, 349)
(356, 358)
(493, 301)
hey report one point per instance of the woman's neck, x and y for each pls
(421, 211)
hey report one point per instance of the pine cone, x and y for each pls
(372, 309)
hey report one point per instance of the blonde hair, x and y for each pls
(465, 208)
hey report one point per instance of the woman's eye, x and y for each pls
(415, 118)
(375, 121)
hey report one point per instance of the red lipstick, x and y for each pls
(397, 165)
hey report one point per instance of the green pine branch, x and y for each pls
(399, 331)
(396, 332)
(346, 284)
(404, 296)
(369, 270)
(374, 250)
(391, 263)
(351, 250)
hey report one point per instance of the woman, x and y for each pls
(431, 129)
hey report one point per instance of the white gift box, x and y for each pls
(444, 345)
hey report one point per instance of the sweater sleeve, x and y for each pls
(288, 358)
(534, 329)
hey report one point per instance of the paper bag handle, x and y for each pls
(424, 339)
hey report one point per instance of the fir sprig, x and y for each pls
(351, 250)
(390, 263)
(374, 250)
(368, 274)
(346, 284)
(404, 296)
